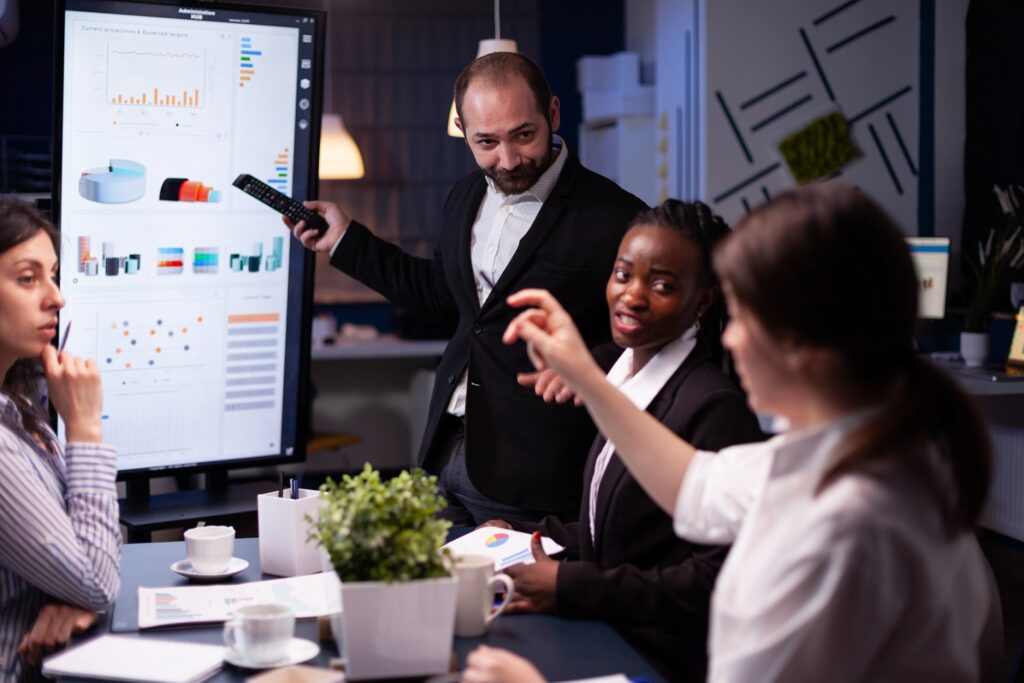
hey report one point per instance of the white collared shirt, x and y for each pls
(640, 388)
(856, 583)
(501, 222)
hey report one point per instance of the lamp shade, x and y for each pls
(339, 155)
(487, 46)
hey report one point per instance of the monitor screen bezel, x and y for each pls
(302, 410)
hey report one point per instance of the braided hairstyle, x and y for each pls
(19, 222)
(696, 222)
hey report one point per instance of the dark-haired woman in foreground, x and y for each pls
(853, 557)
(60, 544)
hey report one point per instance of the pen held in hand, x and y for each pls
(64, 337)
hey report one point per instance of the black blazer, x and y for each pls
(519, 450)
(654, 587)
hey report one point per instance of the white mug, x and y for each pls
(260, 633)
(476, 588)
(210, 548)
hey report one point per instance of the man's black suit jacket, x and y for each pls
(637, 574)
(520, 450)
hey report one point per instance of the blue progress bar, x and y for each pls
(251, 52)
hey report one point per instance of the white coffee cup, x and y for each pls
(210, 548)
(260, 633)
(477, 582)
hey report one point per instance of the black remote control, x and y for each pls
(281, 203)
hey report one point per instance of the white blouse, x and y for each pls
(856, 583)
(640, 388)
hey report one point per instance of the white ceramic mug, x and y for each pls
(260, 633)
(475, 606)
(210, 548)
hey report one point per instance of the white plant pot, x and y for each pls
(974, 348)
(394, 630)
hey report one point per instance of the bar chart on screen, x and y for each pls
(145, 74)
(135, 77)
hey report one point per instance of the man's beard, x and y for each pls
(522, 177)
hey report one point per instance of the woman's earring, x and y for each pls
(696, 325)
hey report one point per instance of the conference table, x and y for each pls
(561, 649)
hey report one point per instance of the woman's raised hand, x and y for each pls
(76, 393)
(549, 386)
(552, 340)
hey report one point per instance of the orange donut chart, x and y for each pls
(185, 190)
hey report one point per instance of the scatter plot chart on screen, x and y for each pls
(152, 341)
(160, 383)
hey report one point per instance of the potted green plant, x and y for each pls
(993, 263)
(384, 540)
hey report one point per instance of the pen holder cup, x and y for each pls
(285, 546)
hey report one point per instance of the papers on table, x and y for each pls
(310, 596)
(504, 546)
(137, 659)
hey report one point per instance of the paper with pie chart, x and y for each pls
(505, 546)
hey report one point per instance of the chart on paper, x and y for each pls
(309, 596)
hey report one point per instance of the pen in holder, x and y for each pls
(285, 547)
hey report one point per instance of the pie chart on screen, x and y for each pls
(495, 540)
(119, 182)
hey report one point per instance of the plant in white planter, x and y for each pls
(398, 597)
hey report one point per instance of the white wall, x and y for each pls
(672, 31)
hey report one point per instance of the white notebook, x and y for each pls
(122, 658)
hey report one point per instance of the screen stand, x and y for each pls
(218, 502)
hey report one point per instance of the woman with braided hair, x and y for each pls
(624, 564)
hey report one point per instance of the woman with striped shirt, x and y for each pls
(60, 543)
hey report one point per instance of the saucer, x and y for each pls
(184, 567)
(299, 650)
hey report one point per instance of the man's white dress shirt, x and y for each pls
(856, 583)
(501, 222)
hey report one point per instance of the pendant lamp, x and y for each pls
(339, 154)
(487, 46)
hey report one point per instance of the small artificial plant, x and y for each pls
(820, 148)
(999, 256)
(387, 531)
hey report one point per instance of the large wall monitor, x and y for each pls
(190, 295)
(931, 259)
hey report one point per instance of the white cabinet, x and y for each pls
(622, 149)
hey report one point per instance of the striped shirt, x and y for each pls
(59, 534)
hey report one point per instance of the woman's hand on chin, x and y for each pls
(76, 393)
